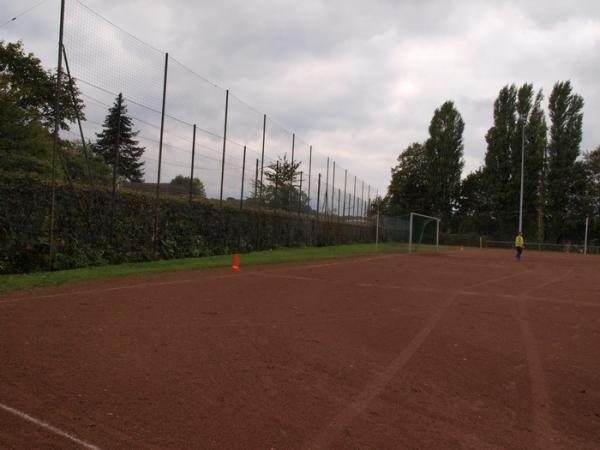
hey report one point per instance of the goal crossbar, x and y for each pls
(410, 230)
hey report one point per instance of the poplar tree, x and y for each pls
(519, 123)
(498, 169)
(444, 161)
(564, 175)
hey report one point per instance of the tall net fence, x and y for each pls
(225, 137)
(169, 155)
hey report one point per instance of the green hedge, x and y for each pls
(84, 235)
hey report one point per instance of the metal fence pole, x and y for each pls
(224, 145)
(275, 199)
(256, 181)
(339, 202)
(293, 146)
(362, 200)
(309, 174)
(354, 199)
(333, 190)
(585, 242)
(192, 170)
(326, 199)
(410, 228)
(377, 228)
(160, 145)
(437, 236)
(300, 193)
(318, 196)
(56, 132)
(292, 174)
(243, 176)
(262, 156)
(345, 184)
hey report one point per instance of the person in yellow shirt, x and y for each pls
(519, 245)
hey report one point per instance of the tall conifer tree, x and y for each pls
(117, 141)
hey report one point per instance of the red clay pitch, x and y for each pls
(460, 350)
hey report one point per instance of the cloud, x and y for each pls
(357, 80)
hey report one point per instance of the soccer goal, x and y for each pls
(423, 232)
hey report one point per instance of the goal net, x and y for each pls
(424, 233)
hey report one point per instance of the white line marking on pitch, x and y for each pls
(116, 288)
(48, 427)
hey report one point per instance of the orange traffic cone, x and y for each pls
(235, 267)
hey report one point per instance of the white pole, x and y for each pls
(587, 221)
(377, 230)
(410, 224)
(437, 236)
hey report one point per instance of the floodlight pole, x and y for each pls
(523, 120)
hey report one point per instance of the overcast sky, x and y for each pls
(359, 80)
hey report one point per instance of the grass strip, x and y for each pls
(10, 283)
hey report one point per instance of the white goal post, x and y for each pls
(410, 230)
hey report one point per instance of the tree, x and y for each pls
(27, 102)
(407, 191)
(591, 161)
(563, 175)
(34, 88)
(518, 120)
(532, 123)
(498, 169)
(116, 142)
(444, 161)
(281, 190)
(473, 210)
(25, 145)
(197, 185)
(536, 133)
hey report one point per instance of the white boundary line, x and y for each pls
(48, 427)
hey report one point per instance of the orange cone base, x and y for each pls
(235, 267)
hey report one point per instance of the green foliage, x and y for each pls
(27, 97)
(408, 189)
(85, 235)
(116, 142)
(427, 177)
(34, 87)
(197, 185)
(563, 176)
(444, 161)
(282, 188)
(519, 123)
(473, 210)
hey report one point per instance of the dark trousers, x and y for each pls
(519, 251)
